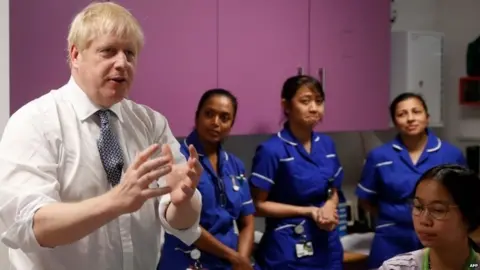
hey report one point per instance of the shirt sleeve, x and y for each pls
(247, 203)
(165, 136)
(367, 187)
(187, 236)
(264, 169)
(190, 235)
(28, 177)
(338, 169)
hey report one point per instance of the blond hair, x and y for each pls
(104, 18)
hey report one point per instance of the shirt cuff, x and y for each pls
(187, 236)
(20, 234)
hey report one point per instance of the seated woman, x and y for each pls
(225, 195)
(391, 172)
(295, 180)
(445, 210)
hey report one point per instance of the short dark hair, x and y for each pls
(403, 97)
(217, 92)
(293, 84)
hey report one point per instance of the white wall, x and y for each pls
(4, 65)
(458, 20)
(4, 91)
(460, 23)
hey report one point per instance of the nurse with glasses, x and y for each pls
(225, 195)
(445, 211)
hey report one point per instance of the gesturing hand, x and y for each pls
(132, 192)
(184, 178)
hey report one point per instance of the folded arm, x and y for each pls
(266, 208)
(208, 243)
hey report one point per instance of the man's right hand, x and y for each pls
(132, 192)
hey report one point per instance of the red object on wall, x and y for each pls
(469, 91)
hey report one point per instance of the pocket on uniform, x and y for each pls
(278, 246)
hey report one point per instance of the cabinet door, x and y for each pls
(425, 71)
(38, 47)
(179, 60)
(350, 43)
(261, 44)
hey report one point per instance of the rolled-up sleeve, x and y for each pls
(190, 235)
(264, 168)
(368, 185)
(28, 179)
(338, 169)
(187, 236)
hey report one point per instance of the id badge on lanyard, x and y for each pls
(303, 248)
(195, 255)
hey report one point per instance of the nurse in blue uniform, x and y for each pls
(295, 177)
(391, 172)
(225, 195)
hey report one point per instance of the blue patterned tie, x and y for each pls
(109, 148)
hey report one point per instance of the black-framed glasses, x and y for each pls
(436, 210)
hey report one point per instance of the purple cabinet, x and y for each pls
(343, 42)
(179, 60)
(350, 50)
(261, 43)
(246, 46)
(38, 47)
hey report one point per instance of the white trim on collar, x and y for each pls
(279, 135)
(186, 145)
(433, 149)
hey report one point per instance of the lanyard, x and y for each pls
(472, 259)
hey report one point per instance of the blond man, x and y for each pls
(87, 177)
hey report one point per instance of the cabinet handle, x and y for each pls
(322, 76)
(299, 71)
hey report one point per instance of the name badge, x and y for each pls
(304, 249)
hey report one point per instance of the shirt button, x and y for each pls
(195, 254)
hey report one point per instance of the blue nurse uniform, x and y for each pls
(388, 180)
(225, 198)
(291, 175)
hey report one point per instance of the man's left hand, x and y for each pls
(184, 177)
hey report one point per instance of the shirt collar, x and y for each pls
(287, 136)
(83, 106)
(193, 138)
(433, 142)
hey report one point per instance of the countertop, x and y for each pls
(352, 257)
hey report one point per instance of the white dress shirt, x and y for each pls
(48, 153)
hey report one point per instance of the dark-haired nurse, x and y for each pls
(391, 172)
(295, 177)
(225, 195)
